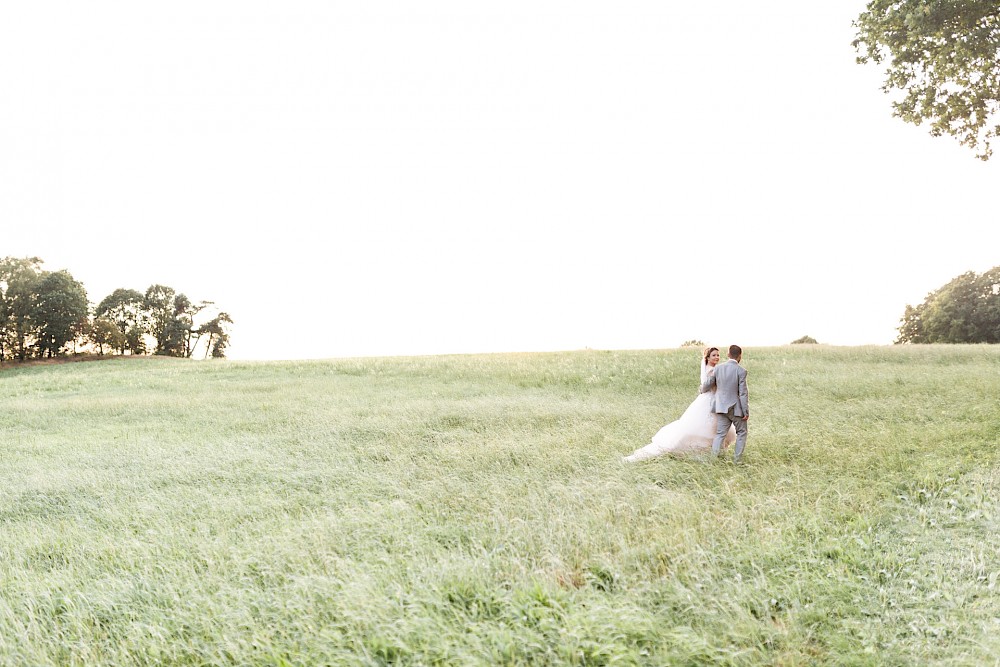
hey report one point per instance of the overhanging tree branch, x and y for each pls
(942, 57)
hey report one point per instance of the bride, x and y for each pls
(695, 429)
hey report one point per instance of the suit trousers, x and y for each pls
(723, 420)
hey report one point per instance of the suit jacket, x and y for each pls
(730, 382)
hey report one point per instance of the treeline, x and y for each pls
(47, 314)
(966, 310)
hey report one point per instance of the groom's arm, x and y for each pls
(744, 395)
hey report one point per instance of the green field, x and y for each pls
(473, 510)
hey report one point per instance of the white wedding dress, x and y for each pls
(692, 432)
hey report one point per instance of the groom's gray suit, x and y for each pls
(730, 404)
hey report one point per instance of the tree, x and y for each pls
(218, 336)
(911, 326)
(219, 345)
(988, 314)
(158, 303)
(105, 332)
(60, 313)
(942, 55)
(171, 320)
(18, 280)
(126, 308)
(186, 312)
(805, 340)
(966, 310)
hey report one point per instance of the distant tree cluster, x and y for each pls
(966, 310)
(47, 313)
(805, 340)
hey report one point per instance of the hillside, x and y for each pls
(473, 510)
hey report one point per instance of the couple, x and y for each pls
(717, 417)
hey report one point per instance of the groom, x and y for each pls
(731, 403)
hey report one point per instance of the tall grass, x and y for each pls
(473, 510)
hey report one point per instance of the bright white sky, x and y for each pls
(385, 177)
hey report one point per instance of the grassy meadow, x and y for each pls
(474, 510)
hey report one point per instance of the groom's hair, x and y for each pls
(735, 351)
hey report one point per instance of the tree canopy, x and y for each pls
(126, 308)
(966, 310)
(18, 298)
(942, 57)
(61, 312)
